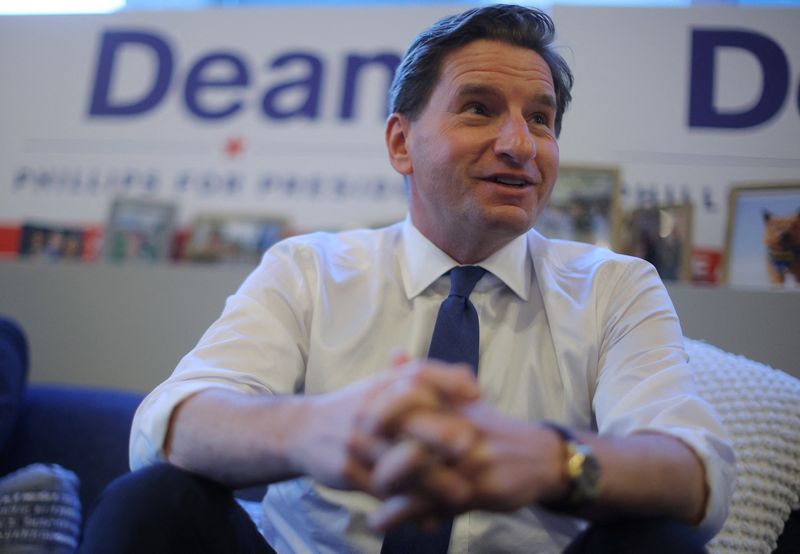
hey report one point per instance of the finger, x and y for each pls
(475, 460)
(398, 358)
(455, 383)
(357, 476)
(416, 386)
(366, 448)
(451, 489)
(398, 509)
(399, 467)
(430, 384)
(391, 406)
(450, 435)
(409, 467)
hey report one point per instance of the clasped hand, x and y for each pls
(419, 437)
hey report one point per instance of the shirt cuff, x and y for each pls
(717, 457)
(152, 418)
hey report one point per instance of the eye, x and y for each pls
(539, 119)
(476, 108)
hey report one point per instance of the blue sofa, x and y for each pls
(82, 429)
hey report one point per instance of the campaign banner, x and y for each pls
(278, 113)
(262, 111)
(689, 102)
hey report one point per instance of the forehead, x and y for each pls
(495, 62)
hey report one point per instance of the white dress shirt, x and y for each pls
(568, 332)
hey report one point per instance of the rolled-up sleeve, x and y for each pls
(645, 383)
(257, 346)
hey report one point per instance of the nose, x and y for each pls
(514, 141)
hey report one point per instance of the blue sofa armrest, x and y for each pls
(13, 375)
(82, 429)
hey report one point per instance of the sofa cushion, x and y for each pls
(760, 407)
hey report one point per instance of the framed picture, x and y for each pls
(661, 235)
(584, 206)
(232, 238)
(50, 242)
(139, 230)
(762, 244)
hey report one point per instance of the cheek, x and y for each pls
(429, 154)
(445, 162)
(548, 154)
(544, 198)
(462, 144)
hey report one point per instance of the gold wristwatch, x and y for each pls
(582, 468)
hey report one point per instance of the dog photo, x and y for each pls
(763, 238)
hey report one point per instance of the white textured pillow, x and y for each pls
(40, 512)
(760, 407)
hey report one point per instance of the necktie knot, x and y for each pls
(464, 278)
(456, 333)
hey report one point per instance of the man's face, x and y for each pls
(482, 157)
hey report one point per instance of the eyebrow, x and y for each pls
(474, 89)
(470, 89)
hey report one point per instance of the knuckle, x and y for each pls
(350, 472)
(453, 430)
(416, 377)
(352, 443)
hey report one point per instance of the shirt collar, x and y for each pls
(422, 262)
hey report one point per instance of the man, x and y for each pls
(315, 379)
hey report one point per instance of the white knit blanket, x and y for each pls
(760, 407)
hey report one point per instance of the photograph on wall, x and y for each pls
(139, 230)
(232, 238)
(584, 206)
(50, 242)
(762, 244)
(662, 235)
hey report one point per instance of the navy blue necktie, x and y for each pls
(455, 339)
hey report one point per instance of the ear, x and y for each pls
(397, 127)
(766, 214)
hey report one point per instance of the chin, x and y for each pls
(509, 220)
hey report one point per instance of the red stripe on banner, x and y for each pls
(9, 240)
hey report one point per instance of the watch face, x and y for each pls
(588, 479)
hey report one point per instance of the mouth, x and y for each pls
(510, 181)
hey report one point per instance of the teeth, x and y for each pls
(512, 182)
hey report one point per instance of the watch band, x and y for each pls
(582, 469)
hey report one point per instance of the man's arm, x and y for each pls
(513, 464)
(241, 440)
(236, 439)
(648, 474)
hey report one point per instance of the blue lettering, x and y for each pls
(312, 85)
(196, 81)
(354, 66)
(112, 42)
(208, 183)
(223, 72)
(774, 67)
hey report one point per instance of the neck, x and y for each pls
(467, 248)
